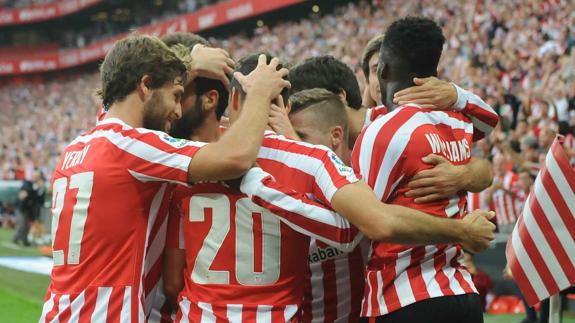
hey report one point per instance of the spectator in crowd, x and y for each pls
(29, 201)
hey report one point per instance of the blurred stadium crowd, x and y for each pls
(518, 55)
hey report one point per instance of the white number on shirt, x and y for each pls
(83, 182)
(246, 274)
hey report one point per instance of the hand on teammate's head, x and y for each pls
(265, 79)
(214, 63)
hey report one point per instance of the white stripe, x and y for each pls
(76, 307)
(449, 271)
(125, 314)
(140, 149)
(401, 281)
(564, 188)
(544, 248)
(467, 277)
(289, 312)
(152, 216)
(157, 247)
(366, 301)
(234, 313)
(48, 305)
(380, 301)
(264, 314)
(428, 272)
(343, 288)
(185, 308)
(101, 308)
(524, 260)
(316, 285)
(480, 125)
(207, 313)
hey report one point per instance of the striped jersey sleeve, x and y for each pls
(318, 164)
(299, 212)
(148, 155)
(482, 115)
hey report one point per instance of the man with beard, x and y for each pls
(110, 182)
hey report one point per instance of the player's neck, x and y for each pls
(208, 132)
(356, 122)
(128, 111)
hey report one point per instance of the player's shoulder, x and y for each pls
(282, 143)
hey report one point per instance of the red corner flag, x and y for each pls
(541, 250)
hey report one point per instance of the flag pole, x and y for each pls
(555, 308)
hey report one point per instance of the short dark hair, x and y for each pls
(322, 101)
(202, 84)
(329, 73)
(372, 47)
(249, 63)
(133, 57)
(416, 42)
(184, 38)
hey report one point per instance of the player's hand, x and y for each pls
(213, 63)
(440, 182)
(429, 92)
(265, 79)
(479, 231)
(279, 120)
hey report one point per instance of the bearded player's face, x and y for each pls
(193, 115)
(164, 107)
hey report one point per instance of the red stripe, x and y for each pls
(307, 297)
(546, 227)
(249, 316)
(519, 275)
(390, 296)
(115, 305)
(195, 313)
(465, 285)
(418, 285)
(67, 312)
(52, 314)
(329, 291)
(535, 256)
(257, 232)
(356, 282)
(278, 314)
(373, 290)
(440, 260)
(87, 310)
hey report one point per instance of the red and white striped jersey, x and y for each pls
(108, 189)
(388, 154)
(251, 265)
(334, 284)
(507, 202)
(478, 201)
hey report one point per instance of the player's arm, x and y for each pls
(398, 224)
(299, 212)
(445, 179)
(173, 274)
(174, 259)
(236, 151)
(434, 93)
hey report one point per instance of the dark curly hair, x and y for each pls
(416, 42)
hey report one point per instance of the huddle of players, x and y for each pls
(238, 250)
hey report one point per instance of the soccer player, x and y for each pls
(369, 60)
(201, 95)
(110, 182)
(223, 287)
(441, 181)
(404, 283)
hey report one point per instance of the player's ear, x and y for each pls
(343, 96)
(143, 87)
(210, 100)
(337, 136)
